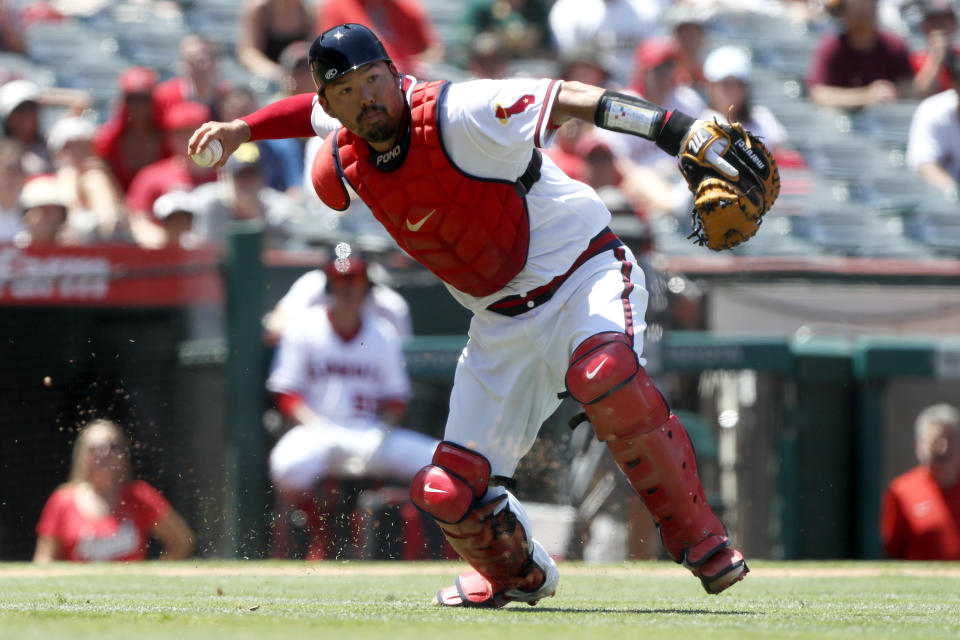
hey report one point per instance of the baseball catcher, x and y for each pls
(454, 172)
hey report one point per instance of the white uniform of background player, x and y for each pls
(346, 382)
(309, 291)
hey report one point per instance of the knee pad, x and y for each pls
(605, 376)
(447, 488)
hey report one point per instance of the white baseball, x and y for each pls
(209, 156)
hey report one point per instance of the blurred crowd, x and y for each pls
(83, 165)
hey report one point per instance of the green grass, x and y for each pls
(346, 601)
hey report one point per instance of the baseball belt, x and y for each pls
(516, 305)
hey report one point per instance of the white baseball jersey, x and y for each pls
(342, 380)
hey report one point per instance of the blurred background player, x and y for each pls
(338, 375)
(921, 508)
(311, 290)
(103, 513)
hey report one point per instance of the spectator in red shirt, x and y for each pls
(938, 25)
(402, 25)
(199, 79)
(861, 65)
(103, 513)
(921, 508)
(175, 172)
(133, 136)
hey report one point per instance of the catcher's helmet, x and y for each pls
(343, 49)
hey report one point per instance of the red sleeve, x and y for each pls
(286, 118)
(148, 505)
(51, 516)
(288, 402)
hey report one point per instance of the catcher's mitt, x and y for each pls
(734, 180)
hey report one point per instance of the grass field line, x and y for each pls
(337, 568)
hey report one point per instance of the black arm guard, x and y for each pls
(636, 116)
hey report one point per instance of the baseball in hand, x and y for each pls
(209, 156)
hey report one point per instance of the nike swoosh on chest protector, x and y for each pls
(416, 226)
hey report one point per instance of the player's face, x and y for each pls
(368, 102)
(349, 292)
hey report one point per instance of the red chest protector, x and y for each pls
(472, 232)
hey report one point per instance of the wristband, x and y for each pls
(629, 114)
(674, 130)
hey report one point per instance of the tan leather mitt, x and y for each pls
(734, 179)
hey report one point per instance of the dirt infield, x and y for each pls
(324, 569)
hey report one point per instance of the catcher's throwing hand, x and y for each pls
(230, 134)
(734, 179)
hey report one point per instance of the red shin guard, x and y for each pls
(654, 452)
(486, 535)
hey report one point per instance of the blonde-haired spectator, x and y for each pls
(103, 513)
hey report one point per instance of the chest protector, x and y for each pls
(472, 232)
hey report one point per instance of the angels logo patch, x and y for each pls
(503, 114)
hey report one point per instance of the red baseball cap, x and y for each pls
(351, 266)
(184, 115)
